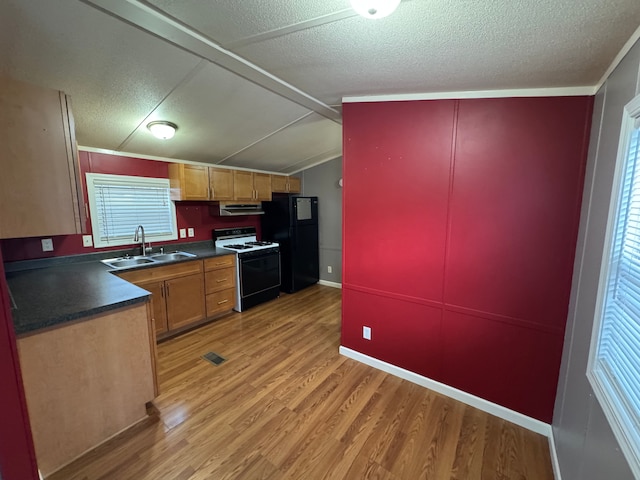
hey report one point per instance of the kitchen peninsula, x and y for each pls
(86, 340)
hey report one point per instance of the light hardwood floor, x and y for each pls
(286, 405)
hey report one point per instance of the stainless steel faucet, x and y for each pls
(143, 248)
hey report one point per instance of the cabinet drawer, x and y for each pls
(221, 301)
(163, 273)
(216, 280)
(216, 263)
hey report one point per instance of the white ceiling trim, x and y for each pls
(150, 19)
(526, 92)
(296, 27)
(621, 54)
(169, 160)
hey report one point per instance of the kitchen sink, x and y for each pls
(168, 257)
(126, 262)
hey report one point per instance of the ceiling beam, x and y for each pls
(152, 20)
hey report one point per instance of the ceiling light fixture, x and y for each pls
(162, 130)
(375, 8)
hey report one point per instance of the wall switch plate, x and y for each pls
(366, 333)
(191, 233)
(183, 232)
(47, 245)
(87, 241)
(329, 269)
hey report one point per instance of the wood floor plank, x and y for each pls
(286, 405)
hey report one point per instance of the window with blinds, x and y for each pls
(614, 364)
(118, 204)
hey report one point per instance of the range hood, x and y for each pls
(235, 209)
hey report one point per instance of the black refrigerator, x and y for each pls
(293, 223)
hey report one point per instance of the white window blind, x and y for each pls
(120, 203)
(614, 367)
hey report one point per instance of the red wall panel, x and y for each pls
(194, 215)
(504, 363)
(476, 219)
(517, 185)
(396, 172)
(406, 334)
(17, 455)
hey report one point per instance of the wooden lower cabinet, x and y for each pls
(186, 293)
(220, 284)
(158, 306)
(86, 381)
(185, 301)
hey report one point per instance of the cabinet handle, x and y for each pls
(222, 301)
(167, 288)
(220, 281)
(162, 290)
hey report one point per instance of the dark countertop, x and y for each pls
(50, 292)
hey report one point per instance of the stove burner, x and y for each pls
(237, 246)
(259, 244)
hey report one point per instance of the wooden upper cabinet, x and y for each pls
(196, 182)
(40, 187)
(251, 186)
(284, 184)
(294, 185)
(189, 182)
(243, 186)
(279, 184)
(262, 186)
(221, 183)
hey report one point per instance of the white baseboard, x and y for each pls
(480, 403)
(327, 283)
(554, 457)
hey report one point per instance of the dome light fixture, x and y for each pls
(162, 129)
(375, 9)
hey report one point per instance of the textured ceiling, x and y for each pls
(250, 82)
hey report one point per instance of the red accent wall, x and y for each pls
(485, 195)
(194, 215)
(17, 455)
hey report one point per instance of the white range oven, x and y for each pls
(257, 265)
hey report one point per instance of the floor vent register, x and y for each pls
(214, 358)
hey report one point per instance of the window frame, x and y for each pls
(134, 180)
(627, 437)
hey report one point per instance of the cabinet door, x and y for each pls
(294, 185)
(221, 183)
(158, 306)
(243, 186)
(196, 183)
(39, 181)
(262, 186)
(279, 184)
(185, 300)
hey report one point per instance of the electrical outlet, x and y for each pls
(47, 245)
(191, 233)
(87, 241)
(329, 269)
(183, 232)
(366, 333)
